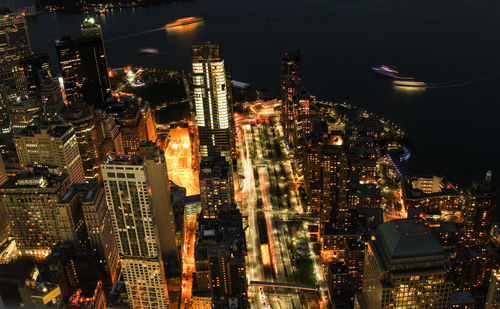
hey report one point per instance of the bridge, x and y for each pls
(285, 285)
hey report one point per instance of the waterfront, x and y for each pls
(454, 128)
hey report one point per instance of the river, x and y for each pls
(453, 44)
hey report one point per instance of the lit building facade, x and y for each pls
(405, 266)
(14, 42)
(70, 61)
(216, 189)
(51, 146)
(24, 111)
(493, 298)
(31, 202)
(211, 100)
(291, 85)
(137, 198)
(91, 199)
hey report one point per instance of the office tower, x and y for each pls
(291, 84)
(88, 131)
(68, 55)
(138, 200)
(216, 189)
(25, 111)
(30, 199)
(4, 221)
(473, 265)
(479, 211)
(51, 96)
(91, 199)
(405, 266)
(220, 253)
(111, 131)
(148, 114)
(493, 298)
(53, 146)
(211, 100)
(34, 69)
(14, 38)
(130, 121)
(94, 67)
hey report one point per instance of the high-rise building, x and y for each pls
(405, 266)
(89, 134)
(34, 69)
(216, 189)
(220, 253)
(36, 222)
(25, 111)
(90, 198)
(84, 67)
(138, 200)
(70, 61)
(129, 118)
(479, 211)
(94, 67)
(111, 131)
(50, 93)
(493, 298)
(14, 38)
(51, 146)
(211, 100)
(148, 114)
(291, 85)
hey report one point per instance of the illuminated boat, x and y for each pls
(387, 71)
(408, 83)
(184, 22)
(148, 51)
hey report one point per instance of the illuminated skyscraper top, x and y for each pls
(211, 100)
(90, 29)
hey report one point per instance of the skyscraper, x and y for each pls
(30, 199)
(24, 111)
(216, 189)
(52, 146)
(90, 198)
(493, 298)
(291, 84)
(94, 67)
(14, 38)
(69, 59)
(4, 220)
(138, 200)
(479, 211)
(405, 266)
(211, 100)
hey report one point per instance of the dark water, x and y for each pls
(454, 44)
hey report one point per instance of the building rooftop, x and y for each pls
(36, 177)
(54, 131)
(123, 159)
(407, 238)
(460, 298)
(87, 191)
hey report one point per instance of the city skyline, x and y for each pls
(142, 187)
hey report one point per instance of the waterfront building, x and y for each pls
(216, 189)
(36, 221)
(52, 146)
(211, 100)
(138, 197)
(405, 266)
(91, 199)
(479, 211)
(433, 194)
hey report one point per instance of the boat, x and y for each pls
(184, 22)
(386, 70)
(148, 51)
(408, 83)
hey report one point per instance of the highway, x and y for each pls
(265, 171)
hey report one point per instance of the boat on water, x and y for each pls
(408, 83)
(184, 22)
(386, 70)
(148, 51)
